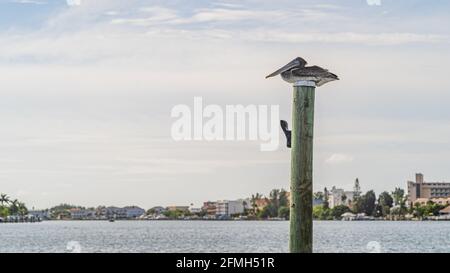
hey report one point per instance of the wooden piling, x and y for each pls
(301, 224)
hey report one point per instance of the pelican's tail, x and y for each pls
(327, 78)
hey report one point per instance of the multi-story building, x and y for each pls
(339, 197)
(262, 203)
(40, 214)
(228, 208)
(82, 214)
(178, 208)
(115, 212)
(158, 210)
(133, 212)
(129, 212)
(210, 208)
(427, 190)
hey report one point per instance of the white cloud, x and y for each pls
(374, 2)
(159, 15)
(339, 159)
(73, 2)
(112, 13)
(347, 37)
(35, 2)
(154, 15)
(113, 69)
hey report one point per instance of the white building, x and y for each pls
(130, 212)
(228, 208)
(194, 210)
(41, 214)
(339, 197)
(82, 214)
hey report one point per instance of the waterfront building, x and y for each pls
(194, 210)
(424, 201)
(158, 210)
(115, 212)
(129, 212)
(445, 211)
(317, 202)
(247, 203)
(82, 214)
(261, 203)
(40, 214)
(427, 190)
(338, 197)
(132, 212)
(210, 208)
(228, 208)
(178, 208)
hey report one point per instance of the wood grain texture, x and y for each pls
(301, 224)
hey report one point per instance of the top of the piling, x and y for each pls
(304, 83)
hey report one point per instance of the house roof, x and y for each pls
(445, 211)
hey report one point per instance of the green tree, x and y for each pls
(398, 195)
(4, 211)
(344, 198)
(275, 198)
(400, 200)
(22, 209)
(326, 195)
(268, 211)
(385, 202)
(385, 199)
(321, 213)
(419, 211)
(431, 209)
(283, 199)
(14, 207)
(253, 200)
(318, 196)
(283, 212)
(365, 204)
(4, 198)
(175, 214)
(356, 190)
(337, 211)
(369, 201)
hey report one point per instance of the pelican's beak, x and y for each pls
(290, 65)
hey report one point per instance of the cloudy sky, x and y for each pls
(87, 87)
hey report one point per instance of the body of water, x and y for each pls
(220, 236)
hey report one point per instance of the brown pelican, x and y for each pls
(298, 71)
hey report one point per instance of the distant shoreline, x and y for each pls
(214, 220)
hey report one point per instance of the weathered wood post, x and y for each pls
(300, 139)
(301, 224)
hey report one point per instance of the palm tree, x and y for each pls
(398, 195)
(275, 198)
(4, 198)
(22, 209)
(14, 207)
(344, 198)
(244, 205)
(253, 200)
